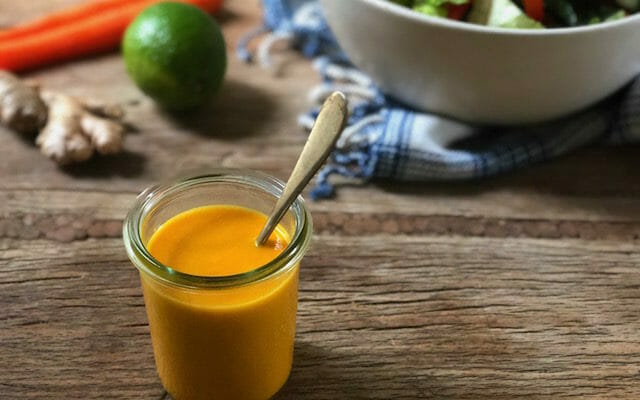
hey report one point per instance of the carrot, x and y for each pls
(91, 34)
(60, 18)
(534, 9)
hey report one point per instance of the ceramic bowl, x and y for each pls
(481, 74)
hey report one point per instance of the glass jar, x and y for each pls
(227, 337)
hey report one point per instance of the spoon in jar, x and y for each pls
(322, 139)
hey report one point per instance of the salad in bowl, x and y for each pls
(487, 69)
(525, 14)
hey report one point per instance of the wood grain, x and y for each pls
(453, 318)
(521, 286)
(70, 215)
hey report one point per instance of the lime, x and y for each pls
(175, 53)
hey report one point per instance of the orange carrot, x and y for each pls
(60, 18)
(91, 34)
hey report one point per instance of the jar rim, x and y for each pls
(147, 199)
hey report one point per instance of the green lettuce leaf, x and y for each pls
(432, 10)
(502, 14)
(435, 8)
(405, 3)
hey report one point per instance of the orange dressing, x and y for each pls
(215, 241)
(234, 343)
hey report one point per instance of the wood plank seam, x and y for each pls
(70, 227)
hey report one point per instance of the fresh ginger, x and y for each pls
(70, 129)
(21, 109)
(73, 130)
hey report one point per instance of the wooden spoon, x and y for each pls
(323, 136)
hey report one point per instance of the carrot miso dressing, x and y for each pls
(234, 343)
(215, 241)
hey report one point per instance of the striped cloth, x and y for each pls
(384, 139)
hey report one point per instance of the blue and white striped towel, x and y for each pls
(384, 139)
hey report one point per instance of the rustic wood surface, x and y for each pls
(523, 286)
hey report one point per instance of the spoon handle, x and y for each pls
(323, 136)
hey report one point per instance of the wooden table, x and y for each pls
(522, 286)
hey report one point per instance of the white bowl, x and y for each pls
(481, 74)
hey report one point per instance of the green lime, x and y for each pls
(175, 53)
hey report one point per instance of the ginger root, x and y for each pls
(21, 109)
(70, 129)
(73, 131)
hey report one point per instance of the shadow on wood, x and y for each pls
(340, 376)
(237, 111)
(126, 164)
(225, 15)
